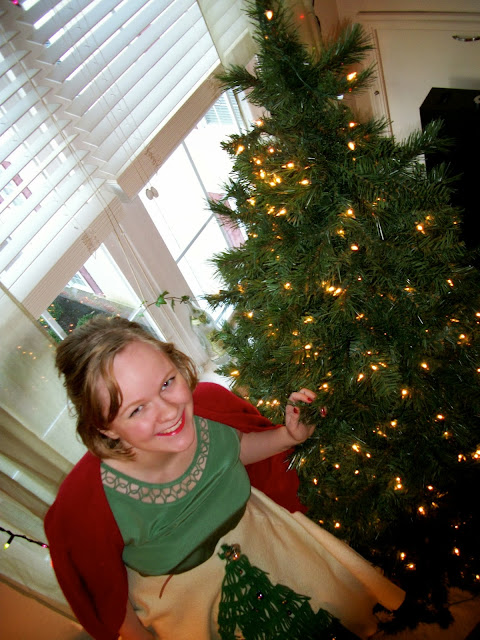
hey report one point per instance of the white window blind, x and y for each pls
(84, 86)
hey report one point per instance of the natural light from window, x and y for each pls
(197, 169)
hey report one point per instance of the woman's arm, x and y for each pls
(260, 445)
(132, 628)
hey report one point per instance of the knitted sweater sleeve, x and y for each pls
(86, 551)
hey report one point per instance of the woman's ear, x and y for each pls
(109, 433)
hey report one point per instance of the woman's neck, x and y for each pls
(154, 467)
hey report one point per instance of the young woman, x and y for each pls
(148, 529)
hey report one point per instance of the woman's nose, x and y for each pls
(165, 409)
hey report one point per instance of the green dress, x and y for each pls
(171, 528)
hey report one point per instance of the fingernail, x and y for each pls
(309, 399)
(296, 410)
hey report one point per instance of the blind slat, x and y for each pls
(140, 78)
(117, 56)
(140, 90)
(21, 108)
(83, 21)
(20, 81)
(11, 60)
(16, 216)
(64, 255)
(30, 126)
(37, 11)
(59, 211)
(24, 156)
(39, 145)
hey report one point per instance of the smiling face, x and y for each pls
(156, 412)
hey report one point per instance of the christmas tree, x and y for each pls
(354, 281)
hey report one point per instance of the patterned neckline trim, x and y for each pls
(149, 493)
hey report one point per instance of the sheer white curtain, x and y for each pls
(38, 448)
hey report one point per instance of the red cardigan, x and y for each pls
(85, 543)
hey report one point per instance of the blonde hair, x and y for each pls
(86, 356)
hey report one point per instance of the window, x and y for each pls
(197, 169)
(98, 288)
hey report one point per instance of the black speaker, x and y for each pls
(459, 109)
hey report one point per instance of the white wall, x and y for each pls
(349, 8)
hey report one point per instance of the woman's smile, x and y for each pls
(175, 429)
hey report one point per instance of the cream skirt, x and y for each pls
(293, 551)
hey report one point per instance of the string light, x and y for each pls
(269, 14)
(8, 543)
(12, 536)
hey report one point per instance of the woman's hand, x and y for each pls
(297, 430)
(256, 446)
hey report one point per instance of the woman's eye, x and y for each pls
(136, 411)
(168, 382)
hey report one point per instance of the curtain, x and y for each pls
(38, 448)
